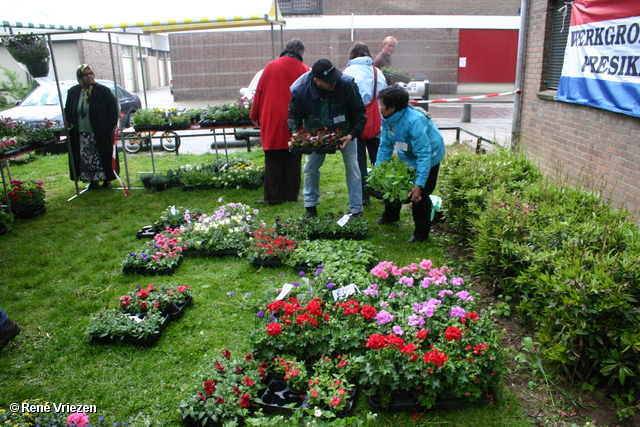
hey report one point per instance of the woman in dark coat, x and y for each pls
(91, 112)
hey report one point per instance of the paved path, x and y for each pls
(490, 119)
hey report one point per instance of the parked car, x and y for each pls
(42, 103)
(248, 92)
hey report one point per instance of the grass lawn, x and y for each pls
(62, 267)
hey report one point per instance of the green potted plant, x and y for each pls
(337, 226)
(391, 180)
(395, 75)
(27, 199)
(30, 50)
(113, 325)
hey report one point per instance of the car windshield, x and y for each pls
(43, 96)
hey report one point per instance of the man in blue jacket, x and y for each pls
(324, 99)
(418, 143)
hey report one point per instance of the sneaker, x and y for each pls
(9, 334)
(311, 212)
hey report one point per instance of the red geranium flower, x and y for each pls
(452, 333)
(274, 329)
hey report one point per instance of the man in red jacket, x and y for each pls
(269, 112)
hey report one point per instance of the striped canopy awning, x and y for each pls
(122, 14)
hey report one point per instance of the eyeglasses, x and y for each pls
(90, 73)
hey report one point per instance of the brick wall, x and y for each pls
(421, 7)
(216, 65)
(583, 145)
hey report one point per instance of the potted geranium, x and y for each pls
(226, 393)
(267, 248)
(30, 50)
(26, 199)
(169, 300)
(330, 388)
(391, 180)
(292, 371)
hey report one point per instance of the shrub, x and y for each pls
(467, 179)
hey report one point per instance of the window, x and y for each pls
(559, 33)
(300, 7)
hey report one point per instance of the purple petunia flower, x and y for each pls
(296, 284)
(260, 314)
(330, 285)
(302, 273)
(232, 293)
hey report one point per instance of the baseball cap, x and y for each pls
(323, 69)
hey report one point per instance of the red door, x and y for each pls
(489, 56)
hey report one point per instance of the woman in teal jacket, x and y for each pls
(419, 143)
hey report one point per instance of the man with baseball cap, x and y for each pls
(325, 99)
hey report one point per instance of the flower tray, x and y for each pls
(244, 122)
(145, 342)
(179, 126)
(175, 311)
(402, 400)
(18, 161)
(146, 232)
(208, 123)
(266, 263)
(26, 214)
(277, 396)
(251, 186)
(150, 271)
(190, 422)
(311, 150)
(204, 254)
(198, 187)
(329, 236)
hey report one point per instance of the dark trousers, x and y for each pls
(281, 175)
(421, 210)
(364, 146)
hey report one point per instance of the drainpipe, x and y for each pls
(517, 99)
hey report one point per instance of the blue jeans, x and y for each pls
(311, 190)
(4, 321)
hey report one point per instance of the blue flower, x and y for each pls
(260, 314)
(330, 285)
(232, 293)
(302, 273)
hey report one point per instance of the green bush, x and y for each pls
(467, 179)
(569, 260)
